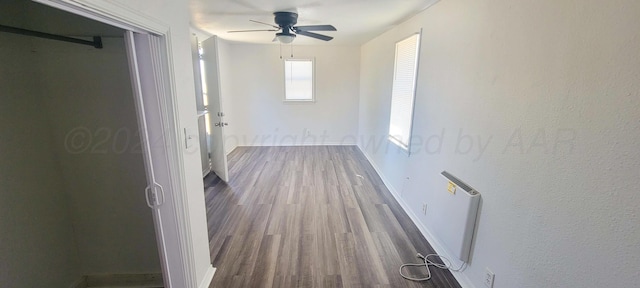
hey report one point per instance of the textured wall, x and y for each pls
(94, 124)
(534, 104)
(254, 86)
(37, 246)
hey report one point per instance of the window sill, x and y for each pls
(399, 145)
(298, 101)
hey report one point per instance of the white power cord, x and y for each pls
(446, 265)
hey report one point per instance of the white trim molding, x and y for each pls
(171, 134)
(208, 277)
(110, 13)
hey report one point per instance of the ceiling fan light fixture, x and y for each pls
(285, 38)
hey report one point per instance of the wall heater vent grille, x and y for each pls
(455, 215)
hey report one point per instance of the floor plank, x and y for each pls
(316, 216)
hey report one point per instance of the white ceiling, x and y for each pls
(357, 21)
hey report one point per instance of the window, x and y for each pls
(298, 74)
(404, 90)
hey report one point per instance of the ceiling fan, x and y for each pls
(287, 30)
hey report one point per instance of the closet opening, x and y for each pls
(73, 209)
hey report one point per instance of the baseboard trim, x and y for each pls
(299, 144)
(148, 280)
(291, 145)
(80, 283)
(231, 151)
(462, 278)
(206, 281)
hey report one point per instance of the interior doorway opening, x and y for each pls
(72, 209)
(209, 101)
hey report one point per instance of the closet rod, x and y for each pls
(97, 40)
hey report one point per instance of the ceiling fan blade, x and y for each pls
(274, 26)
(316, 28)
(239, 31)
(314, 35)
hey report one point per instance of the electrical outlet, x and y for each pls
(424, 208)
(488, 277)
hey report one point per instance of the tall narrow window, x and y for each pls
(404, 90)
(298, 75)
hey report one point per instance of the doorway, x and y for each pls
(167, 165)
(73, 207)
(209, 101)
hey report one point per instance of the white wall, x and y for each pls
(90, 106)
(253, 88)
(546, 93)
(36, 242)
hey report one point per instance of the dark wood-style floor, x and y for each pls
(310, 217)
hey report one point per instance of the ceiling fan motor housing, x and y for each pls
(286, 20)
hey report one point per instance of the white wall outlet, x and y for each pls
(488, 277)
(424, 208)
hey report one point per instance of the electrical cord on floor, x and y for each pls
(427, 263)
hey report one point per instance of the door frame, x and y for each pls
(182, 270)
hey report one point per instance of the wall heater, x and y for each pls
(455, 215)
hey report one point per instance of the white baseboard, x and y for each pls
(231, 150)
(299, 144)
(122, 280)
(80, 283)
(206, 281)
(462, 278)
(292, 145)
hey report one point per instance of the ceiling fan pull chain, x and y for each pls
(291, 50)
(280, 50)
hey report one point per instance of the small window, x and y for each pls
(298, 75)
(404, 91)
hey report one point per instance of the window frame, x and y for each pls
(406, 148)
(313, 80)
